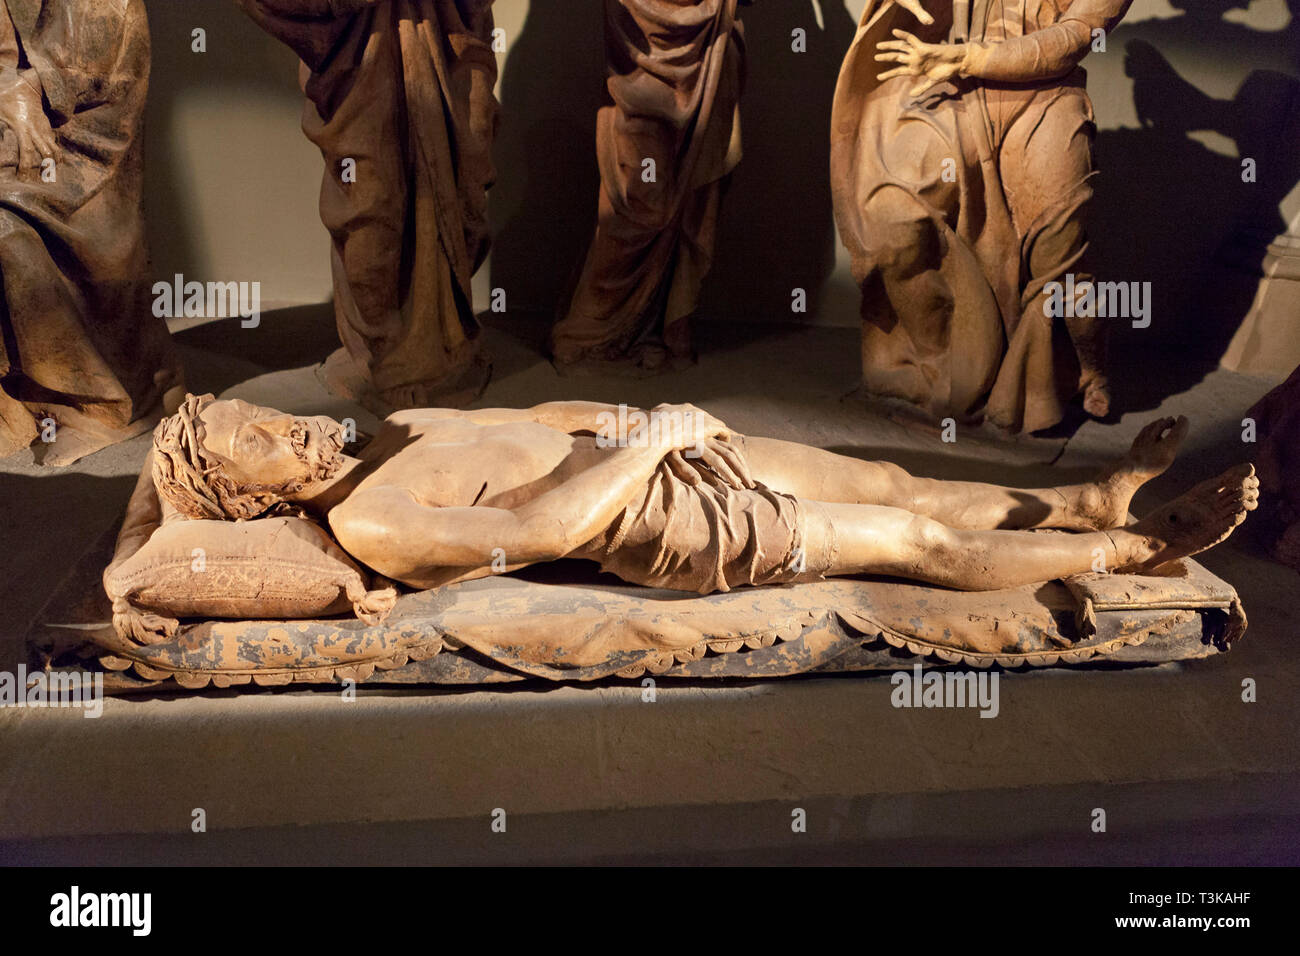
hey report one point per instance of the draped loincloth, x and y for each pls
(712, 537)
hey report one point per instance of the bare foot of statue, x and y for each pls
(1198, 520)
(1096, 396)
(1105, 503)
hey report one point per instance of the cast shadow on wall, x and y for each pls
(776, 232)
(543, 204)
(243, 63)
(1174, 212)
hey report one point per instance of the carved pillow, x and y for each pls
(276, 568)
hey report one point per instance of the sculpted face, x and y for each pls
(263, 447)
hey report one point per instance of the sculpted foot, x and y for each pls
(1096, 396)
(1198, 520)
(1104, 503)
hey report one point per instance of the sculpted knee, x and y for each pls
(901, 237)
(932, 542)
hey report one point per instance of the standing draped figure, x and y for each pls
(960, 205)
(83, 360)
(665, 146)
(400, 102)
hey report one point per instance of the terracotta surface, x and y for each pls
(403, 88)
(441, 497)
(668, 498)
(80, 343)
(675, 75)
(961, 182)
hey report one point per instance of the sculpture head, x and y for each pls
(233, 460)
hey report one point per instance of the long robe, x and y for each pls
(399, 99)
(675, 74)
(958, 212)
(79, 343)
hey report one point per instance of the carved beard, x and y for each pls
(326, 457)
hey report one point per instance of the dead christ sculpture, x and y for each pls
(400, 103)
(961, 165)
(439, 496)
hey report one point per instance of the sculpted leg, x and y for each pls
(815, 473)
(878, 540)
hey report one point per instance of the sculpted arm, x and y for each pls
(567, 417)
(1048, 53)
(389, 530)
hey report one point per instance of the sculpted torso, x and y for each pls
(445, 461)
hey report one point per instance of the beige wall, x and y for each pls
(233, 183)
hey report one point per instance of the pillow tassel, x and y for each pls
(370, 606)
(132, 624)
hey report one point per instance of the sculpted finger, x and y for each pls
(682, 469)
(29, 156)
(915, 9)
(738, 464)
(896, 71)
(721, 468)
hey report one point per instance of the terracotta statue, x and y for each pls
(961, 166)
(400, 102)
(670, 499)
(665, 147)
(83, 360)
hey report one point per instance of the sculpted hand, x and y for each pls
(914, 8)
(21, 110)
(716, 462)
(935, 63)
(677, 427)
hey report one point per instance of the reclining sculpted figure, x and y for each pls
(441, 496)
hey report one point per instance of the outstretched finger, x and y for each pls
(911, 39)
(897, 71)
(915, 9)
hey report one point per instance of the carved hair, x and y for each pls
(196, 482)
